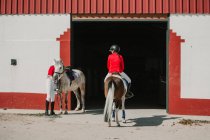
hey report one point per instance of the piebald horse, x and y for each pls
(115, 98)
(66, 85)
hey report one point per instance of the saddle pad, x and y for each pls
(124, 82)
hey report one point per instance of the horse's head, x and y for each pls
(59, 69)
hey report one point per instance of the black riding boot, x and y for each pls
(46, 108)
(52, 108)
(129, 94)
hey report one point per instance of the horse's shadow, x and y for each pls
(150, 121)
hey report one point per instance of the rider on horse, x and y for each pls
(115, 64)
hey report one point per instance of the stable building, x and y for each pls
(165, 44)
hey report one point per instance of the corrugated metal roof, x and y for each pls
(104, 6)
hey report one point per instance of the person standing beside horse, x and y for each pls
(50, 89)
(115, 64)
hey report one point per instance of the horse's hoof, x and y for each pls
(118, 125)
(61, 113)
(76, 109)
(124, 121)
(83, 110)
(113, 119)
(65, 112)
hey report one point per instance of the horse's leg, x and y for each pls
(113, 112)
(117, 120)
(66, 103)
(76, 92)
(61, 102)
(123, 109)
(82, 90)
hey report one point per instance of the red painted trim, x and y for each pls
(178, 105)
(32, 7)
(145, 6)
(14, 100)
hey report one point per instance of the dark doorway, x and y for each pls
(143, 45)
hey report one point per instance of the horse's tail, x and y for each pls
(109, 101)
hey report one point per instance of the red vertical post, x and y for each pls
(38, 7)
(165, 6)
(139, 6)
(132, 6)
(186, 6)
(31, 7)
(152, 6)
(20, 6)
(14, 6)
(172, 6)
(68, 6)
(199, 6)
(112, 6)
(179, 6)
(192, 6)
(119, 6)
(159, 7)
(125, 6)
(74, 6)
(49, 6)
(62, 6)
(100, 6)
(106, 6)
(8, 7)
(44, 7)
(145, 6)
(56, 7)
(206, 6)
(80, 6)
(93, 6)
(26, 6)
(87, 6)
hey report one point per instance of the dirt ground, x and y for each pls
(142, 124)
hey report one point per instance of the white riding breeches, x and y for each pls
(123, 75)
(50, 89)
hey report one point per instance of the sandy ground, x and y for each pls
(142, 124)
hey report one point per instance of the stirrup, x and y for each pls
(129, 94)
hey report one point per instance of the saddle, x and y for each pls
(69, 73)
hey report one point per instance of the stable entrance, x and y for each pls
(143, 45)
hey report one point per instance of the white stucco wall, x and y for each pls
(195, 54)
(31, 39)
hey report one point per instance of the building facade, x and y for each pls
(34, 32)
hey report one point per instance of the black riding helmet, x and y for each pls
(115, 48)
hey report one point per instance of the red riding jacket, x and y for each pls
(115, 63)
